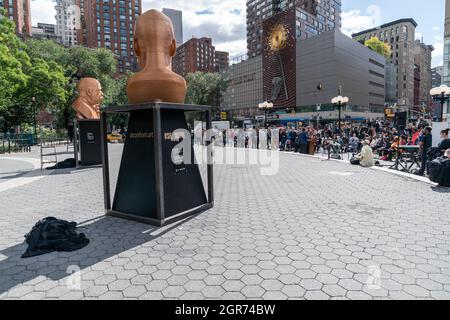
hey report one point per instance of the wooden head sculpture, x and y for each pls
(155, 46)
(90, 96)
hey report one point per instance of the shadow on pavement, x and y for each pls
(441, 189)
(108, 237)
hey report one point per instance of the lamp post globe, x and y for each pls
(340, 101)
(441, 94)
(266, 106)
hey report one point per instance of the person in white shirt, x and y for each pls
(366, 158)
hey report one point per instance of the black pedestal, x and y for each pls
(89, 142)
(155, 185)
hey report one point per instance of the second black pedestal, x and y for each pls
(90, 142)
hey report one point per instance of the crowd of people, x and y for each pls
(368, 142)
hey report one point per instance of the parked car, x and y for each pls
(115, 137)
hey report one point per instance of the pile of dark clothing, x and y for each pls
(51, 234)
(439, 170)
(66, 164)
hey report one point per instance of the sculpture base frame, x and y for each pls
(145, 166)
(82, 149)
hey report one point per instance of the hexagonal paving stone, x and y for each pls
(177, 280)
(134, 291)
(119, 285)
(214, 280)
(157, 285)
(271, 285)
(213, 291)
(274, 295)
(233, 274)
(334, 290)
(253, 291)
(194, 285)
(173, 291)
(293, 291)
(316, 295)
(197, 274)
(311, 284)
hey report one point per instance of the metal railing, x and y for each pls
(8, 145)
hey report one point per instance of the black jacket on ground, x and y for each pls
(51, 234)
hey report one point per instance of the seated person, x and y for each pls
(353, 143)
(445, 143)
(366, 158)
(395, 144)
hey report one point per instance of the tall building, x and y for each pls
(177, 20)
(110, 24)
(400, 35)
(221, 60)
(422, 73)
(68, 21)
(446, 76)
(19, 12)
(334, 60)
(330, 60)
(245, 87)
(312, 18)
(197, 54)
(45, 31)
(436, 76)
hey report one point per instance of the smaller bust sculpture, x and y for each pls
(90, 96)
(155, 46)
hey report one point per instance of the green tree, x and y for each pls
(116, 94)
(13, 78)
(379, 47)
(47, 84)
(206, 89)
(81, 62)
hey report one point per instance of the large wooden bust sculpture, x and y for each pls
(155, 45)
(90, 96)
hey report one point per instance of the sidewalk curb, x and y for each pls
(26, 178)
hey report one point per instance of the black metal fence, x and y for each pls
(16, 143)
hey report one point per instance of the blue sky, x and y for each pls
(224, 20)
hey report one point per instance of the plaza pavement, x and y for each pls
(316, 230)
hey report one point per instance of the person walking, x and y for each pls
(424, 145)
(303, 141)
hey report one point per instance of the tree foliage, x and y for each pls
(379, 47)
(49, 72)
(205, 89)
(81, 62)
(13, 78)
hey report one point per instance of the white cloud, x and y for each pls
(225, 22)
(355, 21)
(436, 28)
(438, 53)
(419, 35)
(42, 11)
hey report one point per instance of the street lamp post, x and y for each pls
(441, 94)
(339, 101)
(33, 99)
(266, 106)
